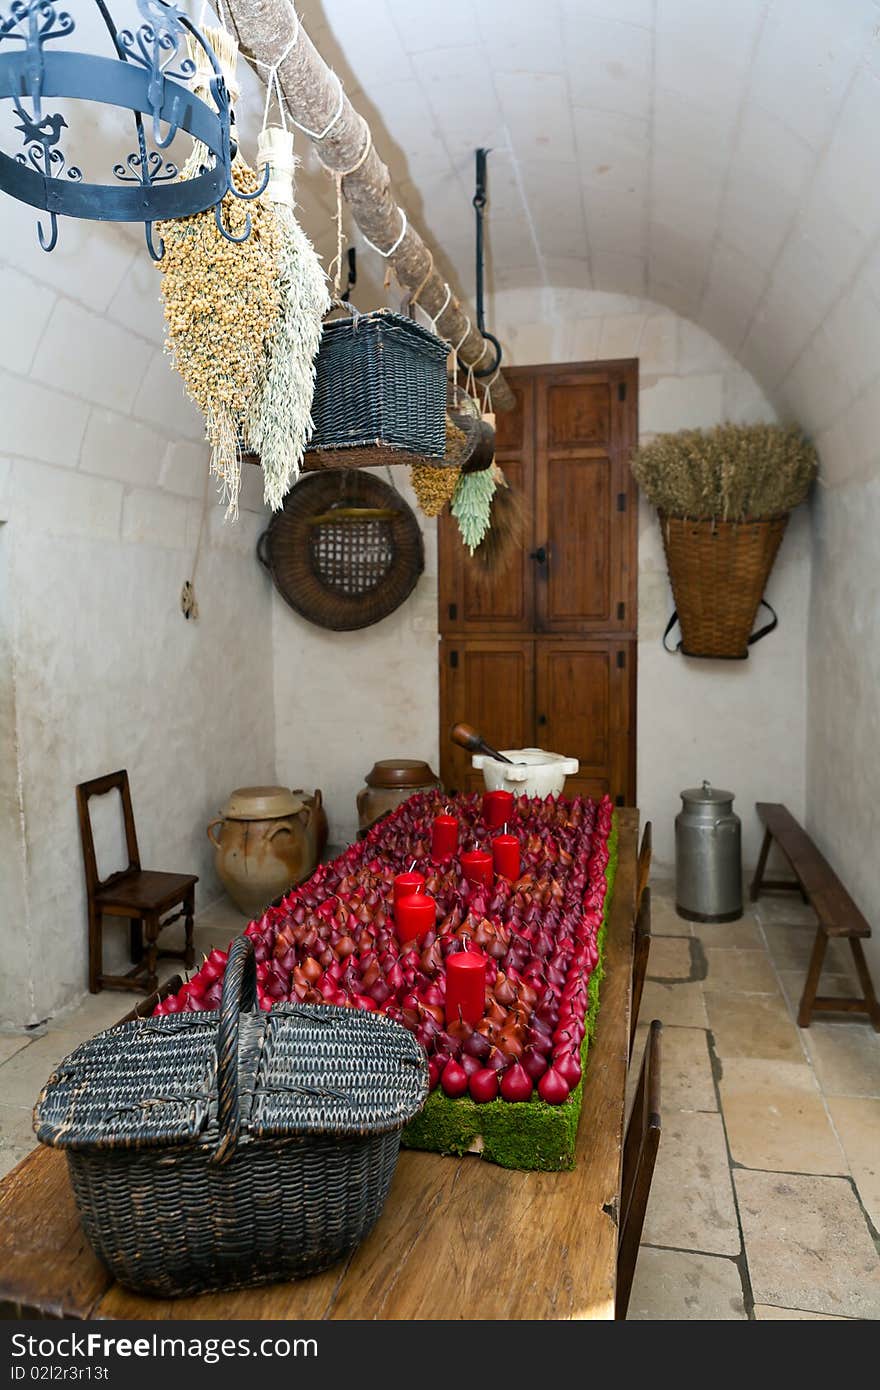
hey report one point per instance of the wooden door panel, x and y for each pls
(578, 413)
(582, 701)
(577, 574)
(585, 500)
(469, 599)
(489, 684)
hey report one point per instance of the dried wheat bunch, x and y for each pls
(731, 472)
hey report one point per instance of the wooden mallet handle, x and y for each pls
(468, 738)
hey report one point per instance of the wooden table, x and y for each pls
(459, 1238)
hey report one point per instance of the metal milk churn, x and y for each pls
(708, 856)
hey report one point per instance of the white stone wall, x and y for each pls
(102, 480)
(343, 700)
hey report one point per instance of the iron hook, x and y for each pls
(148, 233)
(218, 218)
(53, 238)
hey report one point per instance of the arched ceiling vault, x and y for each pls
(721, 157)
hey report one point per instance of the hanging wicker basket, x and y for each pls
(380, 393)
(345, 550)
(718, 571)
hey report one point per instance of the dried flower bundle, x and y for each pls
(433, 487)
(472, 506)
(509, 527)
(730, 473)
(278, 423)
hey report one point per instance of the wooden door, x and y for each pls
(494, 681)
(545, 655)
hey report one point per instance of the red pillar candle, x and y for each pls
(465, 986)
(505, 855)
(497, 808)
(414, 917)
(476, 865)
(406, 885)
(444, 838)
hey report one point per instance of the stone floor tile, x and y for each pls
(846, 1057)
(739, 972)
(791, 947)
(665, 921)
(776, 1119)
(793, 986)
(857, 1121)
(678, 1005)
(742, 935)
(10, 1043)
(752, 1025)
(764, 1312)
(669, 958)
(17, 1136)
(677, 1286)
(686, 1069)
(24, 1075)
(807, 1244)
(784, 907)
(691, 1202)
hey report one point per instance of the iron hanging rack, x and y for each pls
(142, 78)
(479, 201)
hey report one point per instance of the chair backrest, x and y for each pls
(639, 1156)
(646, 849)
(641, 951)
(99, 786)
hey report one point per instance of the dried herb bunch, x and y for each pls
(278, 422)
(221, 304)
(433, 487)
(472, 506)
(729, 473)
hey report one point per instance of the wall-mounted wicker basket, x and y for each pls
(380, 393)
(345, 550)
(718, 571)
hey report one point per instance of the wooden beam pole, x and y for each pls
(314, 97)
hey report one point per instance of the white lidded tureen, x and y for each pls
(530, 772)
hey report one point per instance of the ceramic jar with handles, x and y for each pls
(267, 840)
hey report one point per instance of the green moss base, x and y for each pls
(525, 1134)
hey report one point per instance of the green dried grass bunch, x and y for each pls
(729, 473)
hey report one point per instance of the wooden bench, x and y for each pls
(838, 915)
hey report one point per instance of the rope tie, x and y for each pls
(391, 249)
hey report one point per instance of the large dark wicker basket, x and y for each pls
(213, 1151)
(380, 393)
(345, 550)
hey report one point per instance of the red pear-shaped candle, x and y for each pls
(465, 987)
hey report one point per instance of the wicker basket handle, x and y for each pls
(239, 995)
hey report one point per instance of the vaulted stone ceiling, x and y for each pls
(718, 156)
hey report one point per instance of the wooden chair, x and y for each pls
(641, 951)
(141, 895)
(644, 869)
(639, 1156)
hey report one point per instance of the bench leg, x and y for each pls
(755, 889)
(811, 984)
(872, 1008)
